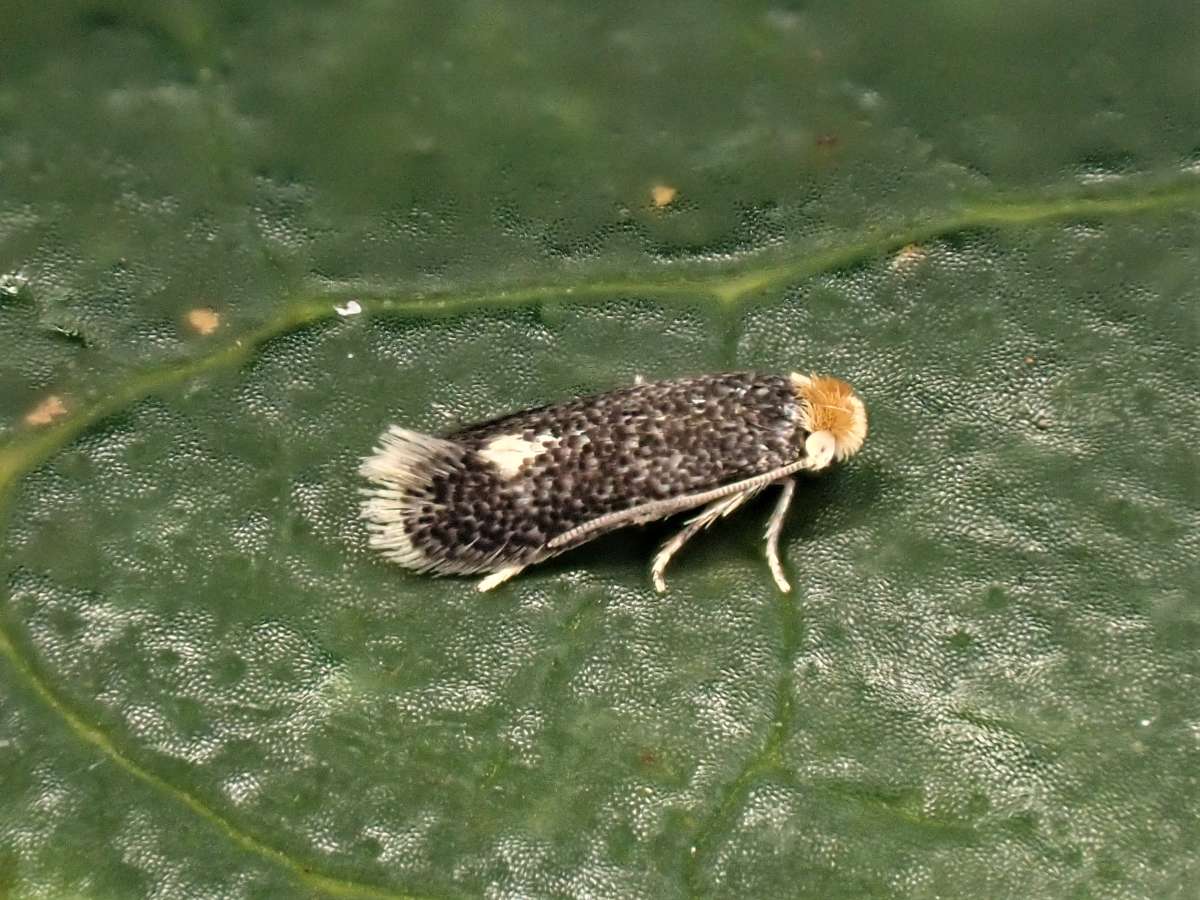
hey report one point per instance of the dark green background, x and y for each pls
(986, 217)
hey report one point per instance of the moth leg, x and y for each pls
(497, 578)
(694, 525)
(774, 526)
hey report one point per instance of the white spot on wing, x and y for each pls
(509, 452)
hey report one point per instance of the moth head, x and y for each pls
(833, 416)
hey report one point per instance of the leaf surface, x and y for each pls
(236, 242)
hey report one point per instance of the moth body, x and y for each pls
(501, 495)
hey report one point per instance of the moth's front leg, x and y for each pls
(774, 527)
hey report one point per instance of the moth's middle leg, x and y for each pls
(694, 525)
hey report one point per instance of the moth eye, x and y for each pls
(820, 447)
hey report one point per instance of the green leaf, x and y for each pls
(236, 241)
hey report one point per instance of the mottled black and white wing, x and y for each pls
(504, 494)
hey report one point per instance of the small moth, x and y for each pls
(505, 494)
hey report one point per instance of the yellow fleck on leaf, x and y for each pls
(908, 258)
(203, 320)
(46, 411)
(662, 195)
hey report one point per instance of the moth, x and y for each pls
(502, 495)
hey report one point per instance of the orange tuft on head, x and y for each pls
(829, 404)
